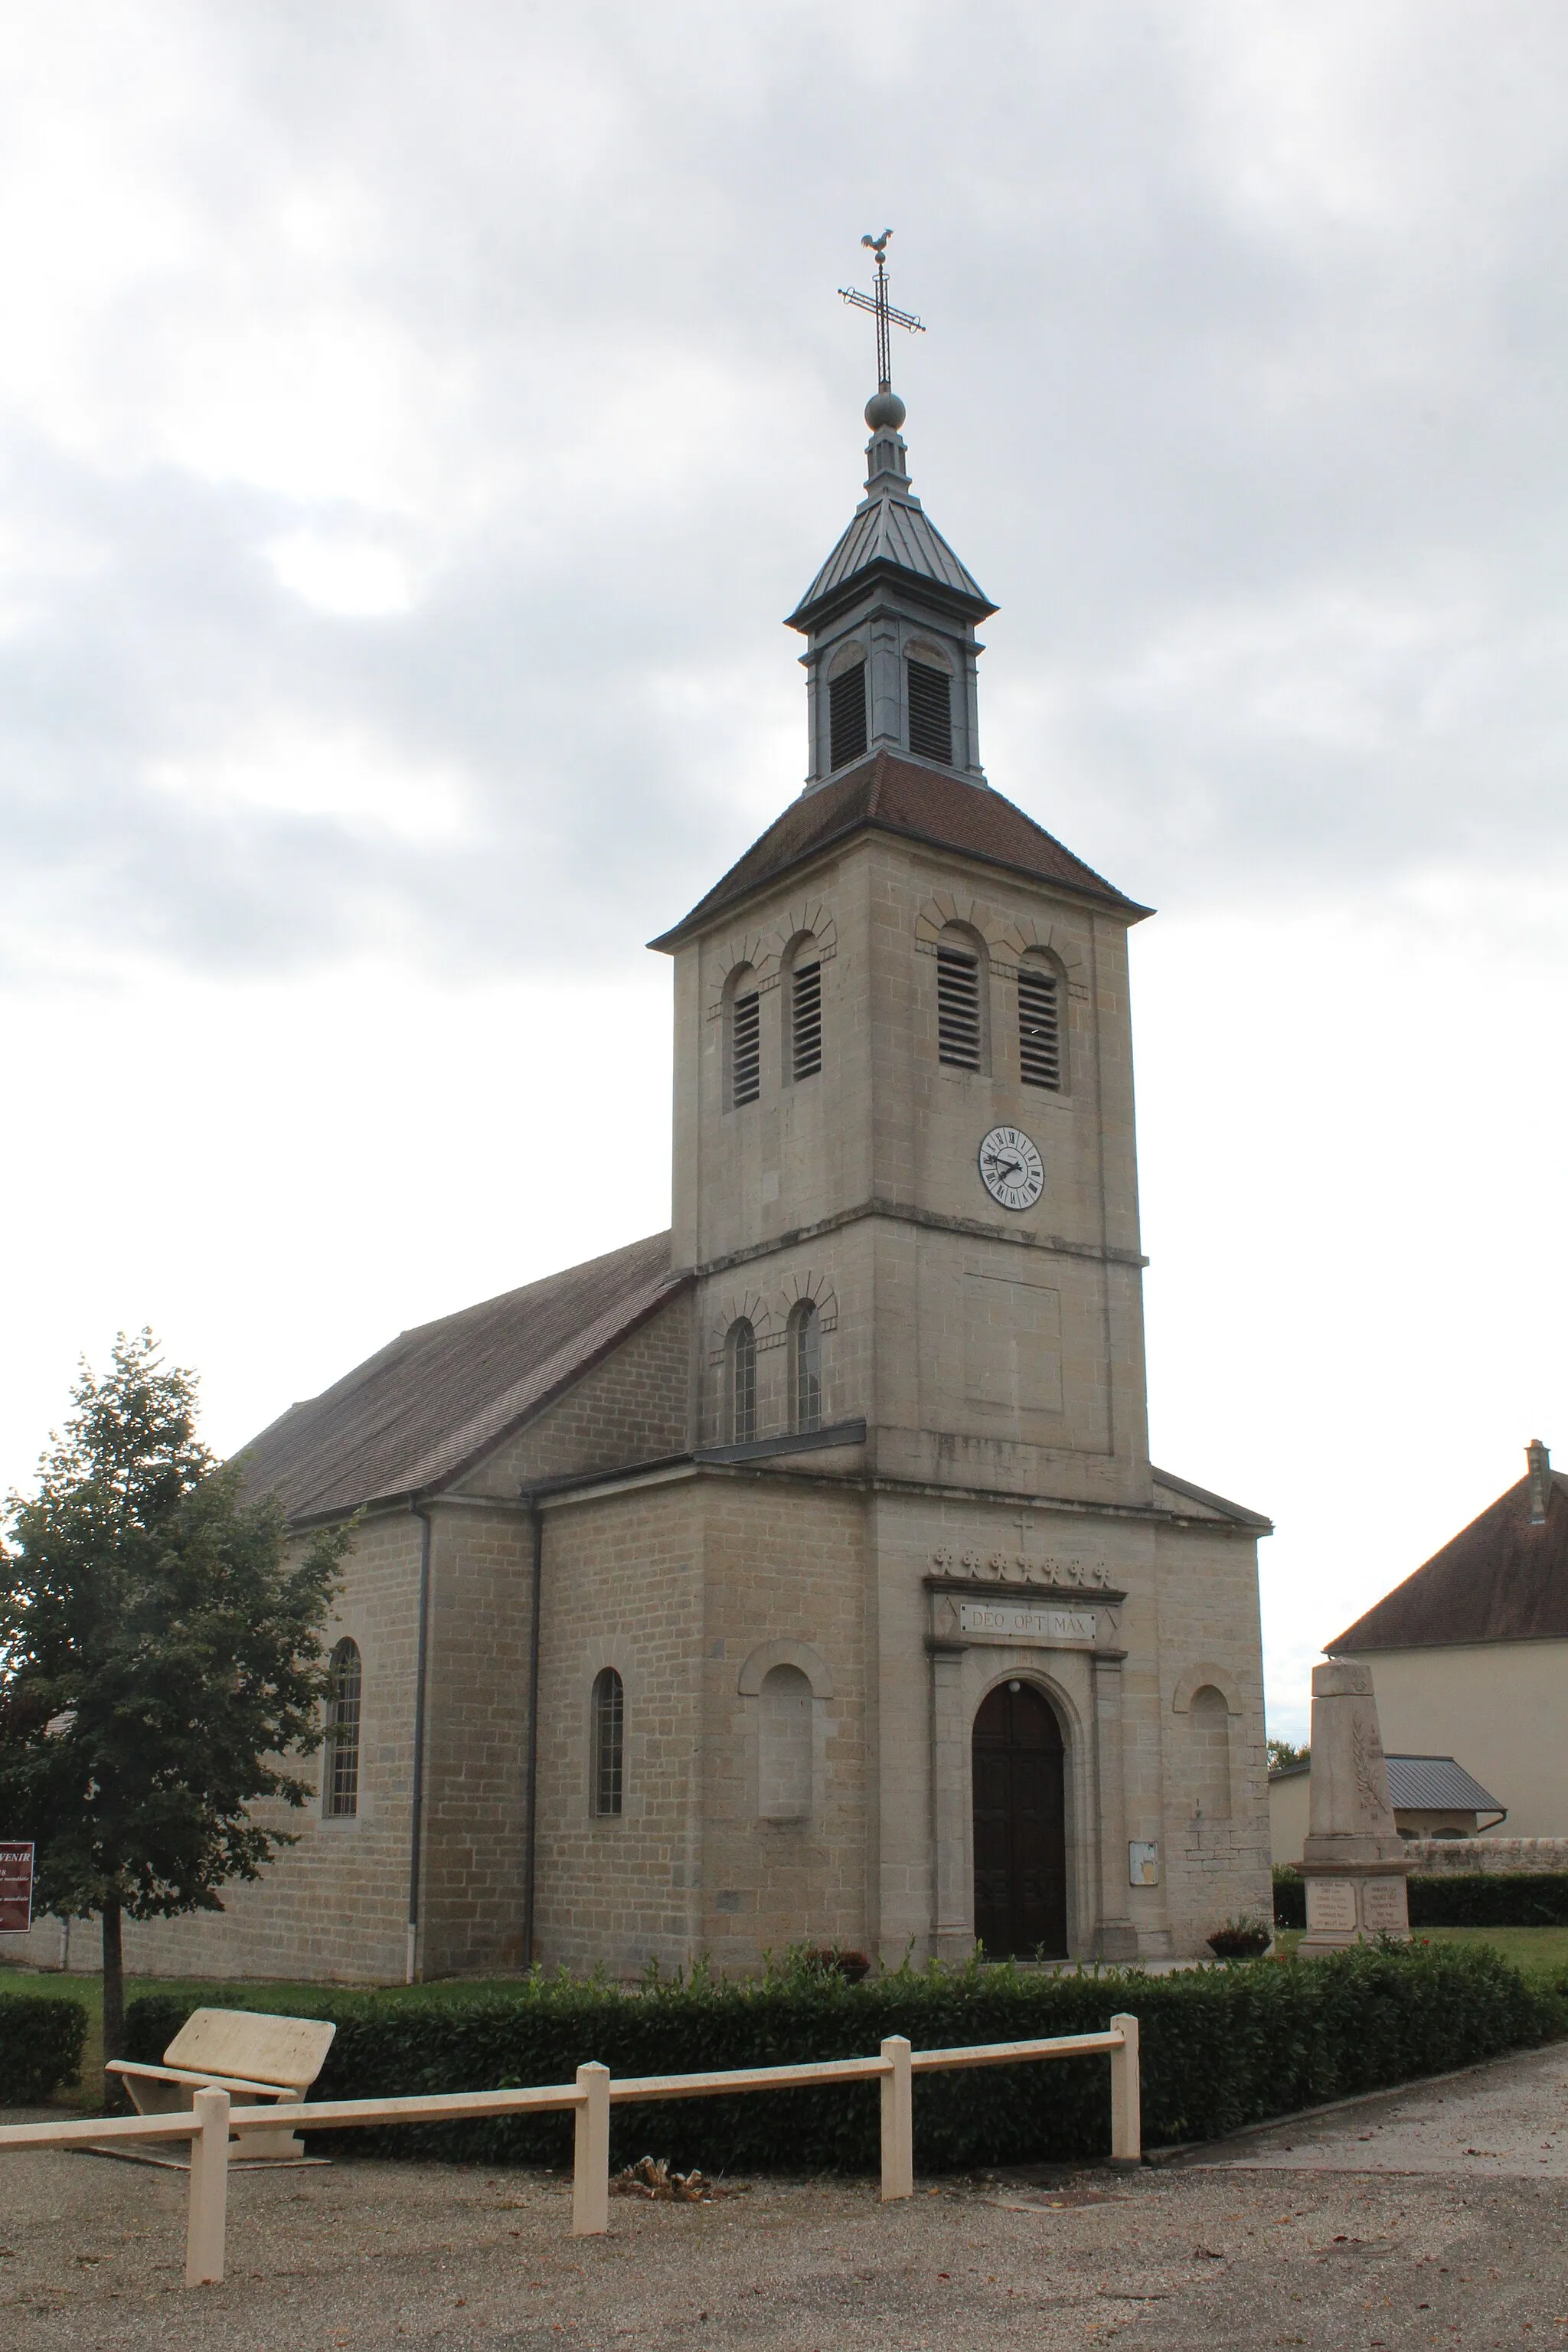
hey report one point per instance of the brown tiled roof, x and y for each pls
(893, 795)
(426, 1408)
(1500, 1580)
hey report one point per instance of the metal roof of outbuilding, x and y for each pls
(1436, 1784)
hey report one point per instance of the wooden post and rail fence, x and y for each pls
(212, 2123)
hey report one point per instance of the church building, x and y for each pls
(799, 1575)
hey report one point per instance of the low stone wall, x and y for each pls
(1432, 1856)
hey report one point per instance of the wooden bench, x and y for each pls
(253, 2057)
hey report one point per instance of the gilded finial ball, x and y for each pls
(885, 408)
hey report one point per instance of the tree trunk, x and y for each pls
(113, 2001)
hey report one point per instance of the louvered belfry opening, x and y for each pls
(958, 1032)
(846, 716)
(805, 1021)
(745, 1047)
(1040, 1027)
(930, 712)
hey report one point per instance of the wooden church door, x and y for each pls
(1020, 1826)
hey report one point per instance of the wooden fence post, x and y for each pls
(209, 2191)
(1126, 2095)
(897, 2121)
(591, 2155)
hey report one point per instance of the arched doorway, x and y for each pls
(1020, 1825)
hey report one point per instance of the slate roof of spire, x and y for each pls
(426, 1408)
(885, 793)
(1499, 1579)
(892, 531)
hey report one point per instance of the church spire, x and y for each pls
(890, 619)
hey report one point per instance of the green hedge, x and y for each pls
(1290, 1896)
(41, 2043)
(1485, 1898)
(1222, 2047)
(1480, 1898)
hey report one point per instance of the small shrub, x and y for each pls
(41, 2040)
(1241, 1940)
(853, 1966)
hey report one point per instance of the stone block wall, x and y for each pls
(632, 1407)
(1450, 1855)
(333, 1907)
(474, 1812)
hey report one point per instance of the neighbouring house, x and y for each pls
(1432, 1796)
(1469, 1655)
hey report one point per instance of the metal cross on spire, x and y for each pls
(882, 310)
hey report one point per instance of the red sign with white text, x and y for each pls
(16, 1889)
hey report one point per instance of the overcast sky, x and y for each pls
(414, 420)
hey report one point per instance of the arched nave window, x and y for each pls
(608, 1742)
(740, 1384)
(806, 1366)
(344, 1682)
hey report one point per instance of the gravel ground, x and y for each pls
(1425, 2216)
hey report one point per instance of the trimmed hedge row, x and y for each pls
(41, 2040)
(1480, 1898)
(1222, 2047)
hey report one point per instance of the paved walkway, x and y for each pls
(1432, 2216)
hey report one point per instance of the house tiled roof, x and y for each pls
(423, 1411)
(1501, 1578)
(887, 794)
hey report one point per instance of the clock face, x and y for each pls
(1011, 1168)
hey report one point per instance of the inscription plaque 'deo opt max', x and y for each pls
(1021, 1623)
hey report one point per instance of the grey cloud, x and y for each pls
(1242, 396)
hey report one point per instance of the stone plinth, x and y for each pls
(1353, 1859)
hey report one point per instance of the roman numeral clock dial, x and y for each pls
(1011, 1168)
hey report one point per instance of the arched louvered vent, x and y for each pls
(930, 712)
(805, 1021)
(1040, 1027)
(958, 1007)
(745, 1047)
(846, 716)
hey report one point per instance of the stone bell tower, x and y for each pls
(906, 1198)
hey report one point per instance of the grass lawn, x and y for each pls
(1534, 1951)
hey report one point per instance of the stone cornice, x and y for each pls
(895, 1212)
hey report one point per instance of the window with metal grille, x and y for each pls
(609, 1741)
(1040, 1027)
(846, 716)
(958, 1031)
(805, 1021)
(806, 1366)
(344, 1680)
(745, 1047)
(930, 712)
(741, 1381)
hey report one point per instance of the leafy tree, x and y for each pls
(161, 1659)
(1281, 1752)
